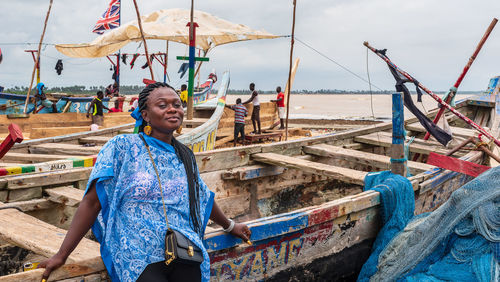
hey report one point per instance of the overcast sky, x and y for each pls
(432, 40)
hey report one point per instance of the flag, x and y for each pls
(110, 19)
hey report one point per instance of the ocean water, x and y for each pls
(344, 106)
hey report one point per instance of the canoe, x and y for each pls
(51, 129)
(14, 103)
(303, 200)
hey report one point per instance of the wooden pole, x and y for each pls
(453, 90)
(165, 65)
(192, 44)
(290, 69)
(144, 40)
(398, 161)
(37, 57)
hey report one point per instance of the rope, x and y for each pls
(369, 84)
(338, 64)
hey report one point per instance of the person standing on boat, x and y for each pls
(40, 95)
(280, 102)
(240, 112)
(256, 108)
(112, 90)
(138, 183)
(116, 108)
(184, 95)
(96, 107)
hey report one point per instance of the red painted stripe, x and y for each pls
(3, 171)
(456, 165)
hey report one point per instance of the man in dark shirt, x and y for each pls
(256, 108)
(96, 107)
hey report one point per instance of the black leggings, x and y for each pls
(159, 272)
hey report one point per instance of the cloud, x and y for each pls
(432, 40)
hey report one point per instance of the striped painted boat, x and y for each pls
(303, 200)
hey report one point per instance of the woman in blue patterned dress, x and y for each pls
(123, 202)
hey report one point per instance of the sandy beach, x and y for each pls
(349, 106)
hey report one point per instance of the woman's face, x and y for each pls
(164, 110)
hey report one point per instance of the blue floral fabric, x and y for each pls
(131, 226)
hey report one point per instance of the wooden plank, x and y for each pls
(252, 172)
(23, 157)
(379, 139)
(339, 173)
(99, 140)
(43, 132)
(63, 148)
(31, 205)
(41, 179)
(457, 131)
(457, 165)
(195, 122)
(379, 161)
(67, 195)
(43, 238)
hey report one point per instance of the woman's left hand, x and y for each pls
(242, 231)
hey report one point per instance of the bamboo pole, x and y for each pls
(453, 90)
(292, 41)
(37, 57)
(144, 40)
(434, 96)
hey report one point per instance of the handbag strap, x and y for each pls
(157, 176)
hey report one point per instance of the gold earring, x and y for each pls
(147, 129)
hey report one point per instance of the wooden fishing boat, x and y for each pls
(13, 104)
(303, 200)
(67, 150)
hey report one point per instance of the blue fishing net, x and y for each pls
(396, 209)
(460, 241)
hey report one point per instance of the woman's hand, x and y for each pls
(242, 231)
(51, 264)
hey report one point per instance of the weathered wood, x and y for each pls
(24, 194)
(67, 195)
(383, 140)
(457, 165)
(23, 157)
(43, 132)
(41, 179)
(43, 239)
(379, 161)
(100, 140)
(223, 141)
(195, 122)
(340, 173)
(31, 205)
(63, 148)
(252, 172)
(398, 161)
(457, 131)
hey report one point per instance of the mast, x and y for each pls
(117, 79)
(144, 40)
(37, 61)
(192, 38)
(290, 69)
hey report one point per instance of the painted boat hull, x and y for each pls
(14, 103)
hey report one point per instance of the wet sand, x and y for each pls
(345, 106)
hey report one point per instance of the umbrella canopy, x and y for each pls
(166, 25)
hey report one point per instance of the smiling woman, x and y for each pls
(144, 189)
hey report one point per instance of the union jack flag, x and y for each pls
(110, 19)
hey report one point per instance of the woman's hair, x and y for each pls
(187, 158)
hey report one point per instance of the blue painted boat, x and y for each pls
(14, 103)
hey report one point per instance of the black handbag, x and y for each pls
(178, 248)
